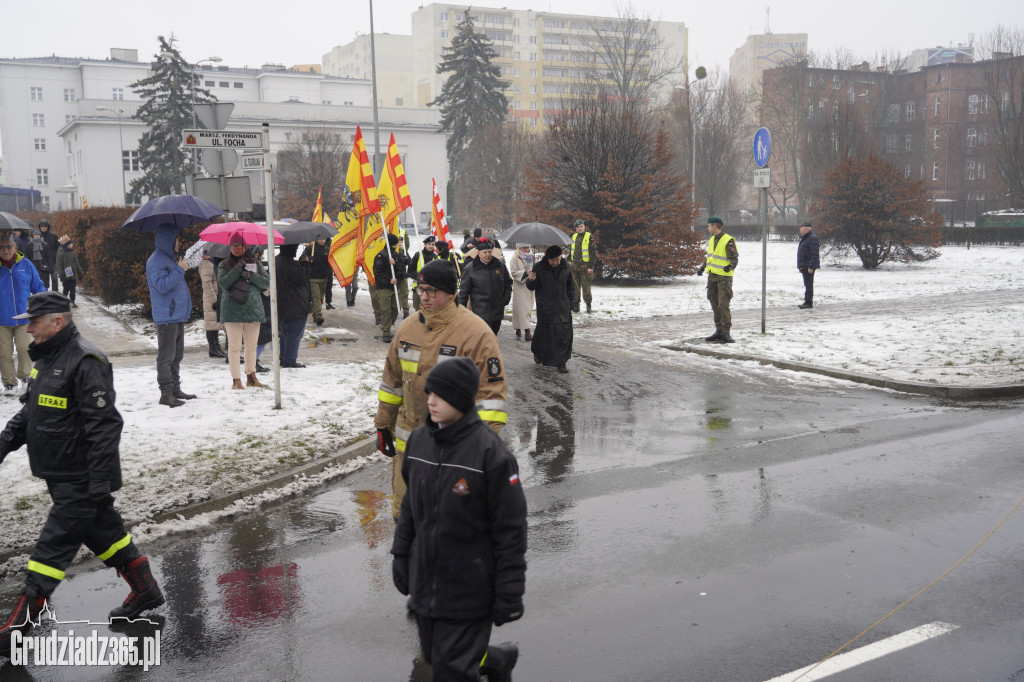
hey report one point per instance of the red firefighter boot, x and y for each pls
(145, 592)
(23, 617)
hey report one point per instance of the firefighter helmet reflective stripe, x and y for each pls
(717, 257)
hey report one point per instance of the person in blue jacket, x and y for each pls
(172, 306)
(18, 279)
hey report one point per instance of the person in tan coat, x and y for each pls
(519, 266)
(208, 276)
(441, 330)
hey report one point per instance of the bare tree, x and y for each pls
(317, 161)
(493, 171)
(626, 59)
(1003, 83)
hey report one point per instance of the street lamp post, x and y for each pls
(120, 135)
(701, 73)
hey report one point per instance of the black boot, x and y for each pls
(24, 615)
(214, 343)
(726, 338)
(170, 401)
(181, 395)
(717, 336)
(499, 661)
(145, 593)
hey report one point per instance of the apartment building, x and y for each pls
(394, 66)
(540, 53)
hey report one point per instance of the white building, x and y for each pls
(761, 52)
(394, 66)
(67, 125)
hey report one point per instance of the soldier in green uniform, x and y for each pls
(582, 259)
(720, 264)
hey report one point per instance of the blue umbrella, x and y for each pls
(180, 209)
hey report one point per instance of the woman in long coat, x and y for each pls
(208, 276)
(241, 310)
(519, 266)
(551, 279)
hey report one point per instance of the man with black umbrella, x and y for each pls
(172, 305)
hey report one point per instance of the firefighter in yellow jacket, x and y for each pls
(440, 331)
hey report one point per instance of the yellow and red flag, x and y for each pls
(318, 210)
(358, 201)
(393, 191)
(438, 222)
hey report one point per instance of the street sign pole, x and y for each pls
(762, 178)
(271, 262)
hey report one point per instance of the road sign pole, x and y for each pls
(764, 261)
(271, 262)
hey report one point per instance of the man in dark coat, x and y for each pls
(72, 430)
(388, 266)
(807, 262)
(460, 542)
(293, 303)
(551, 279)
(38, 251)
(487, 285)
(53, 244)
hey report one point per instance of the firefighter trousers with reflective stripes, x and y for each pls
(720, 293)
(75, 520)
(454, 648)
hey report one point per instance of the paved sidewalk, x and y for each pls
(110, 334)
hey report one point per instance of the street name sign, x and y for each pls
(251, 162)
(221, 139)
(762, 178)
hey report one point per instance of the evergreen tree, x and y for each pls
(168, 96)
(472, 98)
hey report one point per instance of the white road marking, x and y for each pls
(867, 653)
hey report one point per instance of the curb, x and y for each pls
(918, 387)
(360, 448)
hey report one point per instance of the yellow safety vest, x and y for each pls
(586, 245)
(717, 258)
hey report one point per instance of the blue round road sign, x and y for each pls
(762, 147)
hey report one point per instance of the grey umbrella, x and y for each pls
(303, 232)
(535, 234)
(9, 221)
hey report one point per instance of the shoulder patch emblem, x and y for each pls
(461, 488)
(493, 367)
(447, 350)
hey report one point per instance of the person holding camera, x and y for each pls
(242, 278)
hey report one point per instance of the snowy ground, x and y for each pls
(956, 319)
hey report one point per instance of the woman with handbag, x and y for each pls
(241, 278)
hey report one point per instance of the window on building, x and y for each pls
(908, 143)
(40, 144)
(515, 21)
(533, 89)
(938, 106)
(38, 121)
(444, 35)
(984, 104)
(224, 84)
(938, 76)
(921, 172)
(238, 84)
(515, 56)
(891, 141)
(983, 137)
(532, 23)
(209, 84)
(969, 171)
(42, 176)
(533, 40)
(533, 122)
(910, 111)
(36, 93)
(350, 104)
(444, 17)
(515, 38)
(515, 88)
(399, 101)
(130, 160)
(972, 137)
(118, 93)
(68, 118)
(1004, 103)
(533, 56)
(533, 73)
(935, 139)
(935, 171)
(515, 72)
(906, 171)
(894, 113)
(981, 170)
(835, 142)
(533, 106)
(69, 94)
(972, 104)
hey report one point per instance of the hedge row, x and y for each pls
(114, 260)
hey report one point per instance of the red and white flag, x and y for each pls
(438, 223)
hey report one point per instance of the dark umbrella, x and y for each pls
(535, 233)
(9, 221)
(180, 209)
(303, 232)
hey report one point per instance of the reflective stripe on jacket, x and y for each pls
(586, 246)
(717, 257)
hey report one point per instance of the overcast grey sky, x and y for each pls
(261, 31)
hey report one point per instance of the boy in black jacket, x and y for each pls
(460, 544)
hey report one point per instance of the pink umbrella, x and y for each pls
(252, 233)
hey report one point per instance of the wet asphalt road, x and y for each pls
(689, 520)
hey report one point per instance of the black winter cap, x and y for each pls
(439, 274)
(45, 303)
(456, 381)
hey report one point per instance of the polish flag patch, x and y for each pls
(513, 479)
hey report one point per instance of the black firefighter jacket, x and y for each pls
(463, 521)
(68, 418)
(488, 288)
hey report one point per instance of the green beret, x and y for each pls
(577, 223)
(714, 219)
